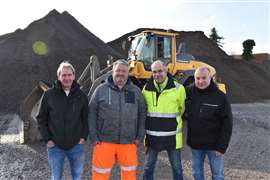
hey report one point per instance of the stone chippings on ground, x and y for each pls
(246, 159)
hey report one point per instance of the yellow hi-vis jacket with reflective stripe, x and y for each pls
(164, 111)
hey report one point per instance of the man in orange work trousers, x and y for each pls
(117, 118)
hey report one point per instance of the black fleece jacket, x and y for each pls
(63, 119)
(209, 118)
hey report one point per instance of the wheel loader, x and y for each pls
(145, 48)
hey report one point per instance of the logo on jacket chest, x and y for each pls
(129, 97)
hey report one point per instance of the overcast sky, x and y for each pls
(235, 20)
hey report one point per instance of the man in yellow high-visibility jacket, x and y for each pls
(165, 99)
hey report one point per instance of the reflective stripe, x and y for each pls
(128, 168)
(163, 133)
(101, 170)
(162, 115)
(177, 86)
(183, 109)
(214, 105)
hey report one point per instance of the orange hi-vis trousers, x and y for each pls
(106, 154)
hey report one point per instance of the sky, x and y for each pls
(235, 20)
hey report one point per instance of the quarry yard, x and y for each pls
(247, 157)
(22, 70)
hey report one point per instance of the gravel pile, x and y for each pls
(34, 53)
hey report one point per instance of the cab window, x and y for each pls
(164, 48)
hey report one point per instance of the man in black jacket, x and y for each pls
(209, 119)
(63, 123)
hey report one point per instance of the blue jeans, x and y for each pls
(216, 164)
(56, 158)
(174, 158)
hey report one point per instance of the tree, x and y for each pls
(215, 37)
(247, 49)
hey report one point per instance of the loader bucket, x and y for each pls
(28, 112)
(97, 82)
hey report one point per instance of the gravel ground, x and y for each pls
(248, 157)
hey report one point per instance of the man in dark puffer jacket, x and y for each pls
(209, 119)
(63, 123)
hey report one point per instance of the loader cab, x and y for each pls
(147, 47)
(182, 56)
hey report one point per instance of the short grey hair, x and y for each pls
(120, 61)
(203, 68)
(158, 62)
(65, 64)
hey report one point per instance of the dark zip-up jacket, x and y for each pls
(63, 119)
(117, 116)
(209, 118)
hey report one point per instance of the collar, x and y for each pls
(58, 86)
(150, 86)
(212, 87)
(160, 87)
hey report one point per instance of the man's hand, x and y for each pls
(96, 143)
(218, 153)
(136, 141)
(82, 141)
(50, 144)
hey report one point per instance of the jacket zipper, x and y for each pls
(109, 96)
(66, 104)
(120, 115)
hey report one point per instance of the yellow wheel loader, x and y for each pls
(149, 46)
(145, 48)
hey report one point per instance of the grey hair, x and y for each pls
(158, 62)
(65, 64)
(203, 68)
(120, 61)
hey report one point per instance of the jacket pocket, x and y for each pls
(100, 124)
(75, 103)
(129, 97)
(129, 128)
(208, 110)
(108, 127)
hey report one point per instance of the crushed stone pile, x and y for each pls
(34, 53)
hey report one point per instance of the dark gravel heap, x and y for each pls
(245, 81)
(21, 68)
